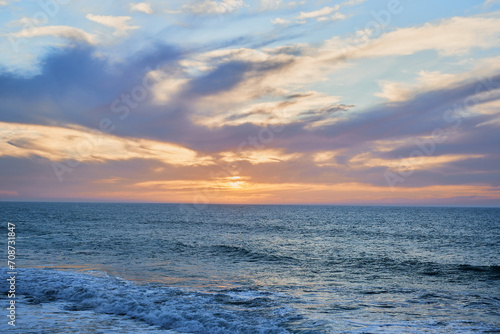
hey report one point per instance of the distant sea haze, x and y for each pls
(159, 268)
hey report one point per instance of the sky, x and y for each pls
(363, 102)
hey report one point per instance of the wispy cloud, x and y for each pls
(270, 4)
(7, 2)
(318, 13)
(321, 15)
(434, 80)
(142, 7)
(214, 7)
(352, 3)
(118, 23)
(67, 32)
(453, 36)
(490, 2)
(82, 145)
(280, 21)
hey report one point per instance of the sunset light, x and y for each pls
(250, 166)
(314, 97)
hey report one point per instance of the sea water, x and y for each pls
(170, 268)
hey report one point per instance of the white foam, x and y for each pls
(158, 306)
(56, 317)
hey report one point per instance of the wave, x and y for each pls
(251, 256)
(424, 268)
(233, 311)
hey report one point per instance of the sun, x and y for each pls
(235, 182)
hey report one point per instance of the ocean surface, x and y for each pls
(166, 268)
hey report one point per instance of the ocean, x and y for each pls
(170, 268)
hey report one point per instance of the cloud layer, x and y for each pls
(280, 122)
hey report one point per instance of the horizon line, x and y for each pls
(255, 204)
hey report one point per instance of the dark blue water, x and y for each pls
(129, 268)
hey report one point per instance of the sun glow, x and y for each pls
(236, 182)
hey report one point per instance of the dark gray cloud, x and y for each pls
(73, 83)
